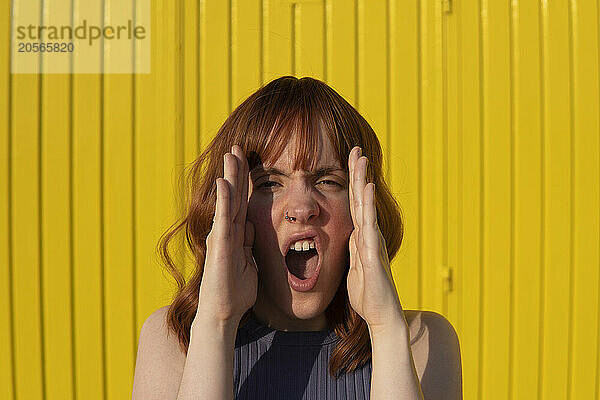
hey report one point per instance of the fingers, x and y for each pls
(221, 223)
(239, 157)
(230, 174)
(362, 197)
(369, 210)
(236, 172)
(358, 180)
(354, 154)
(240, 217)
(355, 253)
(360, 169)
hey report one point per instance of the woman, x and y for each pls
(292, 228)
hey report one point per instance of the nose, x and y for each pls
(301, 207)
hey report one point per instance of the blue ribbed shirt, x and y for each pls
(273, 364)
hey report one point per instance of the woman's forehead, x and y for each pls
(324, 153)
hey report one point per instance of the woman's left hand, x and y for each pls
(371, 289)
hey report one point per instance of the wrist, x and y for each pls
(394, 329)
(219, 329)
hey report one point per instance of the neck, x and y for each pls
(275, 319)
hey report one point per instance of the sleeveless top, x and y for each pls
(273, 364)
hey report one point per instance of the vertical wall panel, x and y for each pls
(215, 64)
(583, 383)
(469, 328)
(27, 310)
(149, 157)
(169, 157)
(277, 39)
(6, 338)
(55, 115)
(118, 222)
(25, 166)
(191, 78)
(191, 82)
(309, 36)
(246, 49)
(452, 164)
(557, 205)
(373, 78)
(431, 153)
(403, 154)
(527, 201)
(497, 195)
(341, 51)
(88, 281)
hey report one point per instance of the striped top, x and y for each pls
(273, 364)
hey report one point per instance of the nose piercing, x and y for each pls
(288, 217)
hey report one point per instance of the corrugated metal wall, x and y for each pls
(489, 114)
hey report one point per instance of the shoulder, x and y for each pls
(435, 347)
(157, 319)
(160, 359)
(429, 322)
(155, 329)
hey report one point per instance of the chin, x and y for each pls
(302, 306)
(307, 310)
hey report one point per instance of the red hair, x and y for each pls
(286, 108)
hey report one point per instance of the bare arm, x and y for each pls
(163, 371)
(159, 362)
(435, 351)
(208, 371)
(394, 375)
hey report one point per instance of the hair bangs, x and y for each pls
(300, 123)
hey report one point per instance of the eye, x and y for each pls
(271, 184)
(330, 182)
(267, 184)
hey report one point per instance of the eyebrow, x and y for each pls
(325, 170)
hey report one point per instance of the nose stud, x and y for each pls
(288, 217)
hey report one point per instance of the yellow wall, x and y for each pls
(489, 115)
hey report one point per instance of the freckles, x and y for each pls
(342, 219)
(257, 212)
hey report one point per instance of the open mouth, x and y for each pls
(302, 258)
(302, 264)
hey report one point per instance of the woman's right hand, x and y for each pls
(230, 279)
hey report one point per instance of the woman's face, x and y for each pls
(319, 203)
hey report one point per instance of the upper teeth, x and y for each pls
(303, 245)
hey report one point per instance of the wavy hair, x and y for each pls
(284, 109)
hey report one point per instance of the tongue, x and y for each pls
(302, 264)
